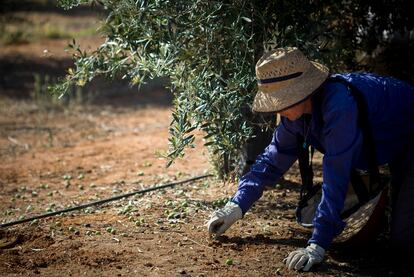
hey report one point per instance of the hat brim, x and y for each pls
(299, 89)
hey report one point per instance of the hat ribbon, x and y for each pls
(280, 78)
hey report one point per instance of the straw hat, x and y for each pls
(286, 77)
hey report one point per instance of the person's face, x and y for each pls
(294, 112)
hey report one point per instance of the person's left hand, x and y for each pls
(305, 258)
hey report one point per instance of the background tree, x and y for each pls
(208, 50)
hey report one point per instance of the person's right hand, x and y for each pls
(222, 219)
(305, 258)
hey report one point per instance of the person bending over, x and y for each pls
(323, 110)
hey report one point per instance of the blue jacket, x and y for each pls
(334, 132)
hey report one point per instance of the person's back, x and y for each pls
(390, 104)
(390, 110)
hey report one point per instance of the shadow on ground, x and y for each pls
(46, 6)
(24, 76)
(20, 77)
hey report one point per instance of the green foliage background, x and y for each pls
(208, 49)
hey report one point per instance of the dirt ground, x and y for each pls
(57, 156)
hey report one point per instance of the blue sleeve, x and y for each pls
(277, 158)
(343, 141)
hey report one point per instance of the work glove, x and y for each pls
(222, 219)
(305, 258)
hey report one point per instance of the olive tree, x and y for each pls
(208, 50)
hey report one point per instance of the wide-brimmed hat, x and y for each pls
(286, 77)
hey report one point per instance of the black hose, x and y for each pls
(99, 202)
